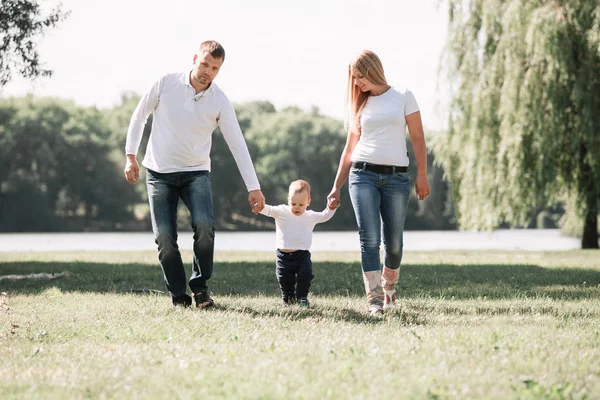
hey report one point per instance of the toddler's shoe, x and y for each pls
(287, 299)
(303, 302)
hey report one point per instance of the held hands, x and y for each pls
(256, 200)
(422, 187)
(333, 200)
(132, 169)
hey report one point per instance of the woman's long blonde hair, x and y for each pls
(369, 65)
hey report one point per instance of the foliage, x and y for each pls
(291, 145)
(524, 120)
(54, 164)
(117, 120)
(21, 23)
(59, 161)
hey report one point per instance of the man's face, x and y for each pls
(206, 67)
(298, 202)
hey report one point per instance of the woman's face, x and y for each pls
(360, 80)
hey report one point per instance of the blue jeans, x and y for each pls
(164, 192)
(379, 200)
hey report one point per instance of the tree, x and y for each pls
(21, 22)
(117, 120)
(524, 115)
(436, 212)
(55, 168)
(285, 145)
(292, 144)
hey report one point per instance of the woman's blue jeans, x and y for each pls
(380, 203)
(164, 192)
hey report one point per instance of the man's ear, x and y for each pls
(195, 58)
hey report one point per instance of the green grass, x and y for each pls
(470, 325)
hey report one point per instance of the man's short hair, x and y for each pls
(214, 48)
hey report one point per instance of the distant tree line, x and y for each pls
(521, 149)
(61, 168)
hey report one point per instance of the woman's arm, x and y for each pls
(343, 169)
(417, 137)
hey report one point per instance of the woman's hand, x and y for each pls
(422, 187)
(334, 199)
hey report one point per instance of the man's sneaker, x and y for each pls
(182, 301)
(203, 300)
(303, 302)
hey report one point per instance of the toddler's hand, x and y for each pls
(332, 204)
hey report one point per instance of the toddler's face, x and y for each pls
(298, 202)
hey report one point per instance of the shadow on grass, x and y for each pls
(331, 279)
(319, 312)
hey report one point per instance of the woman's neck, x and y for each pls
(379, 90)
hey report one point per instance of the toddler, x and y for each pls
(294, 226)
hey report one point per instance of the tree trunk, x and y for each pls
(589, 239)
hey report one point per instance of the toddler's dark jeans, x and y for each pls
(294, 274)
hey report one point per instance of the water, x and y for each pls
(512, 239)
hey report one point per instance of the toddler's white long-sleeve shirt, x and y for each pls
(294, 232)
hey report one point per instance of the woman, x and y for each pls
(376, 161)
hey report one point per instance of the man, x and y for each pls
(187, 107)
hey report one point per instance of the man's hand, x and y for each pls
(132, 169)
(256, 200)
(422, 187)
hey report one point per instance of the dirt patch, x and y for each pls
(42, 275)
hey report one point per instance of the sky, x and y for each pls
(291, 53)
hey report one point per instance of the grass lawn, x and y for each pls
(469, 325)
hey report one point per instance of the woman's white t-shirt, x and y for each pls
(383, 128)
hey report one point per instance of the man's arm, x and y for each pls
(237, 145)
(147, 104)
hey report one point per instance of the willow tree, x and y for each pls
(524, 121)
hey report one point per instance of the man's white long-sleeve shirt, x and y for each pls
(294, 232)
(182, 127)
